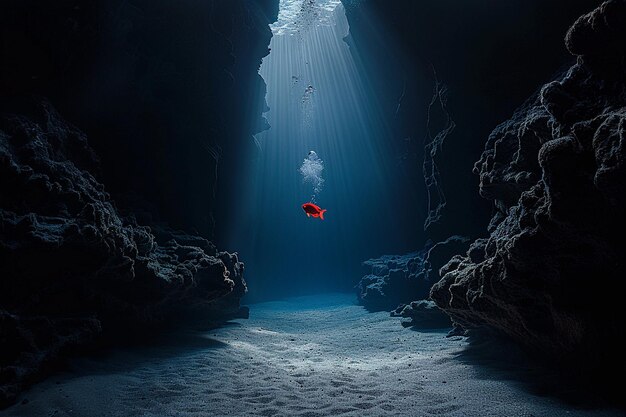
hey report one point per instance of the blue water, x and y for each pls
(372, 206)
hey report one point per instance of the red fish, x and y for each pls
(313, 210)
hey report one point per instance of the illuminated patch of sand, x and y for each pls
(312, 356)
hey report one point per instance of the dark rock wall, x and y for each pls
(490, 54)
(72, 266)
(163, 89)
(103, 236)
(548, 271)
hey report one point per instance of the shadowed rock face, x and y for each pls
(398, 279)
(422, 314)
(168, 92)
(169, 95)
(391, 280)
(546, 274)
(490, 55)
(72, 266)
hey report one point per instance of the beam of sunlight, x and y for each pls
(318, 101)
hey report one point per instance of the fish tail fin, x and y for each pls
(322, 214)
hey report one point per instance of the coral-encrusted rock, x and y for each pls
(66, 254)
(397, 279)
(548, 274)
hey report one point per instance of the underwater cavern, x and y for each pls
(312, 207)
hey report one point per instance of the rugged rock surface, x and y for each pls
(72, 266)
(392, 279)
(395, 279)
(169, 95)
(548, 273)
(31, 346)
(168, 92)
(423, 314)
(489, 55)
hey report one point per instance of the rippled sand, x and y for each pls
(310, 356)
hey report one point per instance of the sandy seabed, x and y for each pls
(309, 356)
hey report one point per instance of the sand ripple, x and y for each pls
(307, 357)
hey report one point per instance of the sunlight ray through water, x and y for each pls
(319, 102)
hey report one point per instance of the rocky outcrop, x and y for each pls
(422, 314)
(395, 279)
(547, 274)
(441, 252)
(392, 279)
(169, 95)
(72, 267)
(491, 59)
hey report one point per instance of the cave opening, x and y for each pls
(318, 100)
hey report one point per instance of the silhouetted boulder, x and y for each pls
(548, 272)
